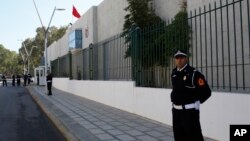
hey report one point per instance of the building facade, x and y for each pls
(104, 21)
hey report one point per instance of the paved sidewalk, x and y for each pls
(82, 119)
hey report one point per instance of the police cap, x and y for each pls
(180, 53)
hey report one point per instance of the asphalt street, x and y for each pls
(22, 120)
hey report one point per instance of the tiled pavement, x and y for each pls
(82, 119)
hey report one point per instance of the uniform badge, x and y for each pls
(201, 82)
(185, 77)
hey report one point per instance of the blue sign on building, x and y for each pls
(75, 39)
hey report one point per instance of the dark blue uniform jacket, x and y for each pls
(189, 85)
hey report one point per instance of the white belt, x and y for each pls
(49, 81)
(195, 105)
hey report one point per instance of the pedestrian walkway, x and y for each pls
(82, 119)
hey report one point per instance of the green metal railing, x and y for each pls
(225, 38)
(62, 66)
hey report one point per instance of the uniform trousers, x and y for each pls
(186, 125)
(4, 83)
(49, 85)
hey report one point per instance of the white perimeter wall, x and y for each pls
(221, 110)
(167, 9)
(195, 4)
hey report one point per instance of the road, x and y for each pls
(21, 119)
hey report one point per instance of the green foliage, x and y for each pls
(56, 33)
(152, 42)
(174, 36)
(8, 62)
(140, 15)
(38, 41)
(11, 62)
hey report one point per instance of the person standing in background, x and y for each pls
(29, 78)
(25, 78)
(18, 79)
(49, 83)
(13, 80)
(4, 80)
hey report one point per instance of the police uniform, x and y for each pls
(18, 80)
(13, 80)
(49, 83)
(25, 77)
(189, 90)
(4, 81)
(29, 78)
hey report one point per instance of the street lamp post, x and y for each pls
(27, 58)
(46, 36)
(46, 39)
(28, 54)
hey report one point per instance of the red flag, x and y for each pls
(75, 12)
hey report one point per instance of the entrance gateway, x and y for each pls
(39, 75)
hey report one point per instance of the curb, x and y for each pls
(53, 114)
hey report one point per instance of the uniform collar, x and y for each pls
(182, 68)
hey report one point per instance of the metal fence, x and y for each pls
(220, 44)
(216, 37)
(61, 67)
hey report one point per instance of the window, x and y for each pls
(75, 39)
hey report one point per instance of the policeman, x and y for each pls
(189, 90)
(49, 83)
(37, 79)
(13, 80)
(4, 81)
(18, 79)
(29, 78)
(25, 78)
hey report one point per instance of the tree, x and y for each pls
(152, 41)
(151, 38)
(175, 35)
(140, 15)
(9, 61)
(38, 41)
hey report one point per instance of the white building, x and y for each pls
(104, 21)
